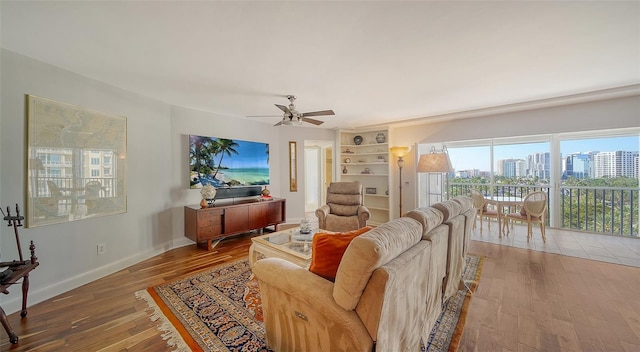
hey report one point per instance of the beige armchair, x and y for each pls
(344, 210)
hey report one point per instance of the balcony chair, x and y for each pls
(480, 203)
(344, 210)
(92, 191)
(532, 211)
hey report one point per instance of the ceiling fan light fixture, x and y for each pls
(293, 117)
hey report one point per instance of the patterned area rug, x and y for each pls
(220, 310)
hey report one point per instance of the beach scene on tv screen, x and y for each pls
(223, 162)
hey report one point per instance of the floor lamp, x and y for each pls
(400, 152)
(436, 162)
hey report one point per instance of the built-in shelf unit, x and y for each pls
(364, 156)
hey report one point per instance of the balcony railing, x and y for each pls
(606, 210)
(41, 188)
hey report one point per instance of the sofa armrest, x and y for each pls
(363, 212)
(322, 214)
(363, 216)
(299, 309)
(323, 211)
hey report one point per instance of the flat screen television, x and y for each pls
(225, 162)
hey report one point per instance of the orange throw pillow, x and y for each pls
(327, 250)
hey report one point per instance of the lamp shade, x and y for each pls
(435, 162)
(400, 151)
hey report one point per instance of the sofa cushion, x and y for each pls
(327, 250)
(466, 203)
(344, 210)
(449, 209)
(345, 188)
(368, 252)
(341, 223)
(429, 218)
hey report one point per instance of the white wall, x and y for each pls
(588, 116)
(67, 252)
(157, 183)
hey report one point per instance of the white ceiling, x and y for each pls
(371, 62)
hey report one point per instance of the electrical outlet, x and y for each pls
(102, 248)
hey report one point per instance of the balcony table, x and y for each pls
(500, 202)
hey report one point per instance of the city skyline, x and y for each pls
(469, 158)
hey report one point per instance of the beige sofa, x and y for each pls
(388, 289)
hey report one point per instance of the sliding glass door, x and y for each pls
(591, 179)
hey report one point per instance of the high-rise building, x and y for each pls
(578, 165)
(538, 165)
(615, 164)
(512, 168)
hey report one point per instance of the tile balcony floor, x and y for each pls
(605, 248)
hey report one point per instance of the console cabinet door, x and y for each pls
(258, 215)
(236, 219)
(275, 213)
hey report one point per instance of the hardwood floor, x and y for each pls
(526, 301)
(536, 301)
(105, 315)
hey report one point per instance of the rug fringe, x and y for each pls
(168, 331)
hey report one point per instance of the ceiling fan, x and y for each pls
(293, 116)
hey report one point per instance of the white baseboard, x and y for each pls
(40, 294)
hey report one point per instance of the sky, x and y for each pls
(250, 154)
(478, 157)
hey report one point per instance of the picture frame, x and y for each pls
(76, 163)
(370, 190)
(293, 167)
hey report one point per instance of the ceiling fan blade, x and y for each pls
(279, 123)
(283, 108)
(318, 113)
(315, 122)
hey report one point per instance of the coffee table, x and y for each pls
(279, 245)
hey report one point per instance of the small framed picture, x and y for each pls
(370, 190)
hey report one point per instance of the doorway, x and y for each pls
(318, 172)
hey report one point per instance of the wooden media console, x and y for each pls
(202, 225)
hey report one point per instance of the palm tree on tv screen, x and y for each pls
(200, 154)
(224, 146)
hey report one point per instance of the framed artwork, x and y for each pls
(76, 163)
(293, 167)
(370, 190)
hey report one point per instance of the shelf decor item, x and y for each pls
(381, 138)
(358, 140)
(347, 160)
(370, 190)
(305, 226)
(344, 170)
(208, 193)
